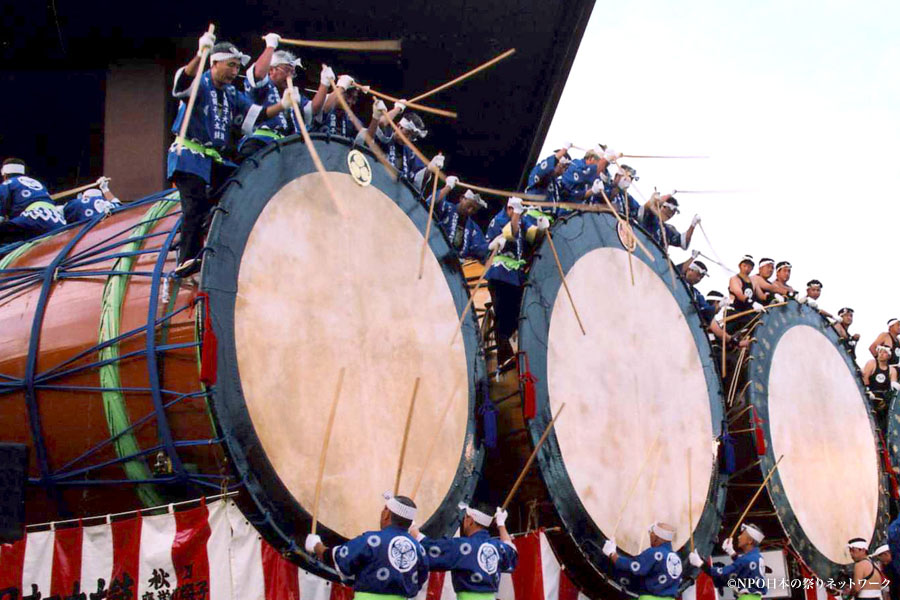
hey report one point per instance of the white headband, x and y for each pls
(766, 261)
(671, 207)
(234, 53)
(881, 347)
(92, 193)
(698, 268)
(13, 169)
(407, 124)
(880, 549)
(478, 199)
(891, 322)
(662, 533)
(858, 544)
(283, 57)
(479, 517)
(401, 510)
(755, 534)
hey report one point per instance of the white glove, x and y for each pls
(414, 530)
(344, 82)
(286, 103)
(500, 517)
(611, 155)
(272, 40)
(801, 299)
(437, 162)
(103, 184)
(497, 243)
(516, 204)
(312, 540)
(694, 559)
(543, 223)
(452, 180)
(728, 546)
(870, 395)
(400, 104)
(759, 307)
(596, 187)
(694, 254)
(326, 76)
(378, 109)
(695, 221)
(726, 302)
(812, 303)
(609, 547)
(778, 297)
(895, 386)
(207, 41)
(567, 145)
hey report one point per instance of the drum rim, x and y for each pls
(267, 495)
(773, 325)
(579, 528)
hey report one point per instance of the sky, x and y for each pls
(797, 106)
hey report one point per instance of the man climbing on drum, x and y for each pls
(867, 577)
(26, 209)
(890, 339)
(265, 84)
(544, 177)
(654, 216)
(202, 166)
(475, 559)
(746, 575)
(657, 569)
(388, 562)
(509, 232)
(881, 383)
(693, 272)
(740, 288)
(92, 203)
(842, 327)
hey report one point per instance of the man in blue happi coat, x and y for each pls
(653, 216)
(694, 271)
(747, 572)
(387, 564)
(202, 165)
(457, 221)
(544, 177)
(265, 84)
(617, 192)
(584, 178)
(475, 559)
(656, 571)
(26, 209)
(91, 204)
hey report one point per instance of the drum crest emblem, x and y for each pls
(402, 554)
(488, 557)
(360, 169)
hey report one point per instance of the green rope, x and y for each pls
(19, 251)
(114, 403)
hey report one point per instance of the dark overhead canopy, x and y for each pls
(504, 112)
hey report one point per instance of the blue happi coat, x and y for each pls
(578, 179)
(466, 237)
(748, 571)
(655, 571)
(389, 561)
(26, 203)
(476, 562)
(264, 93)
(216, 112)
(509, 263)
(83, 208)
(650, 222)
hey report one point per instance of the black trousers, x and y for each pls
(197, 200)
(10, 232)
(507, 299)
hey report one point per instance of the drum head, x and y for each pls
(300, 290)
(640, 387)
(830, 486)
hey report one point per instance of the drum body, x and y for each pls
(298, 288)
(799, 395)
(643, 402)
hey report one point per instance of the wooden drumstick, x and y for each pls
(751, 311)
(531, 458)
(324, 453)
(366, 89)
(409, 416)
(73, 191)
(656, 156)
(428, 226)
(665, 239)
(629, 247)
(465, 75)
(434, 438)
(298, 116)
(478, 284)
(504, 193)
(562, 276)
(195, 85)
(596, 208)
(634, 485)
(753, 499)
(690, 500)
(370, 46)
(339, 94)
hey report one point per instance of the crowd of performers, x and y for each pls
(233, 120)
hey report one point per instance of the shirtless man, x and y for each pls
(763, 290)
(782, 276)
(842, 327)
(867, 578)
(890, 339)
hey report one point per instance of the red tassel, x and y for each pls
(527, 381)
(758, 432)
(209, 345)
(889, 467)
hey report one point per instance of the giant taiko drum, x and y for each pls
(643, 401)
(294, 288)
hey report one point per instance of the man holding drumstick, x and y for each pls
(748, 569)
(658, 568)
